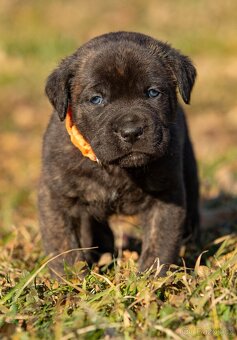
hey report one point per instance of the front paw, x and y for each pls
(154, 263)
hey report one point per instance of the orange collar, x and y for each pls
(77, 139)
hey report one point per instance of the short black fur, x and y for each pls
(146, 164)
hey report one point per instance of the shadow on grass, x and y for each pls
(218, 221)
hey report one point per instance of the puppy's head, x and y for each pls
(122, 91)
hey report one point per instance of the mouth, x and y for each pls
(133, 159)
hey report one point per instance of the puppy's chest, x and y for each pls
(103, 198)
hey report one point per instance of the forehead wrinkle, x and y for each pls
(121, 68)
(119, 73)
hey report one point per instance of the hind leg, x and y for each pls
(93, 233)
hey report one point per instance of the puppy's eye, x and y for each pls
(152, 93)
(96, 100)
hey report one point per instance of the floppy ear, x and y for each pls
(182, 69)
(58, 86)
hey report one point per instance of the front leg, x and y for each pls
(57, 230)
(163, 226)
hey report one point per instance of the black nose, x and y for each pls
(130, 133)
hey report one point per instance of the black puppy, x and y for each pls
(119, 92)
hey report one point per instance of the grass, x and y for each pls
(120, 302)
(198, 298)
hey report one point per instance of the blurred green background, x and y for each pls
(35, 35)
